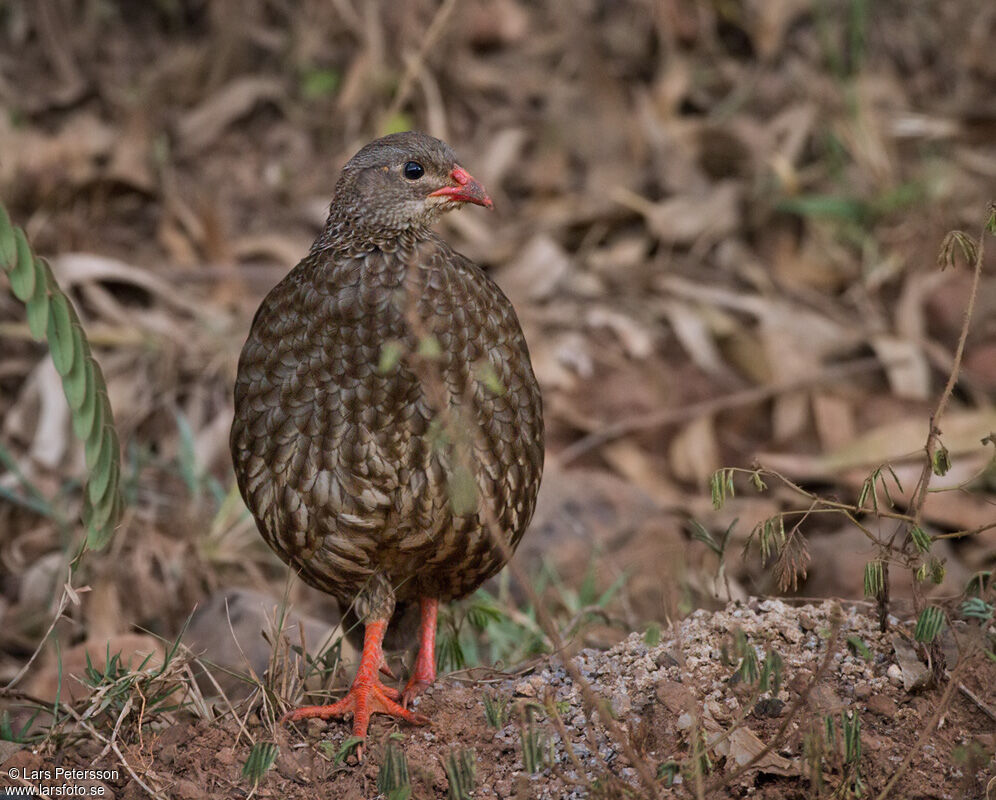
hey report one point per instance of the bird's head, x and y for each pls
(404, 181)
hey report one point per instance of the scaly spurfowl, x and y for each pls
(385, 382)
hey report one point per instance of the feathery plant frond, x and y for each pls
(51, 316)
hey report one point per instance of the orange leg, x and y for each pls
(367, 695)
(425, 663)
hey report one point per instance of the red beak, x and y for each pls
(466, 190)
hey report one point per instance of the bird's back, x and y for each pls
(383, 395)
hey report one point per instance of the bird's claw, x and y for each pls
(362, 701)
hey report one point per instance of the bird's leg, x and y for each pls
(425, 662)
(367, 695)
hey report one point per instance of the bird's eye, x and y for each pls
(413, 170)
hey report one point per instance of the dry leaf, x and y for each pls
(694, 453)
(684, 219)
(743, 745)
(916, 674)
(200, 127)
(905, 365)
(535, 274)
(637, 339)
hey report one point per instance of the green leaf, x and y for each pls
(827, 206)
(941, 461)
(701, 534)
(95, 441)
(461, 773)
(462, 490)
(74, 381)
(8, 247)
(921, 539)
(37, 305)
(488, 375)
(391, 352)
(392, 779)
(929, 624)
(95, 437)
(104, 473)
(977, 608)
(262, 757)
(60, 333)
(668, 771)
(51, 315)
(22, 276)
(317, 83)
(874, 578)
(429, 347)
(347, 747)
(978, 583)
(100, 523)
(534, 749)
(79, 382)
(37, 308)
(771, 672)
(758, 481)
(721, 487)
(481, 614)
(85, 417)
(652, 636)
(495, 710)
(858, 646)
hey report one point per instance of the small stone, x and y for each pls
(882, 705)
(315, 727)
(769, 707)
(862, 691)
(525, 689)
(895, 675)
(185, 789)
(664, 659)
(675, 696)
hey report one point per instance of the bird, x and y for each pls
(388, 430)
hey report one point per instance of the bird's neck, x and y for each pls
(350, 233)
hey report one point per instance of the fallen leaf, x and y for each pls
(200, 127)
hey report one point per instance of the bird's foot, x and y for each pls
(423, 677)
(413, 689)
(425, 663)
(362, 700)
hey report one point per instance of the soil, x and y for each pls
(659, 694)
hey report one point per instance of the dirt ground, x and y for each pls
(658, 693)
(719, 224)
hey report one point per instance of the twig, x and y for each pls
(415, 64)
(745, 397)
(978, 702)
(68, 593)
(919, 494)
(933, 434)
(117, 751)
